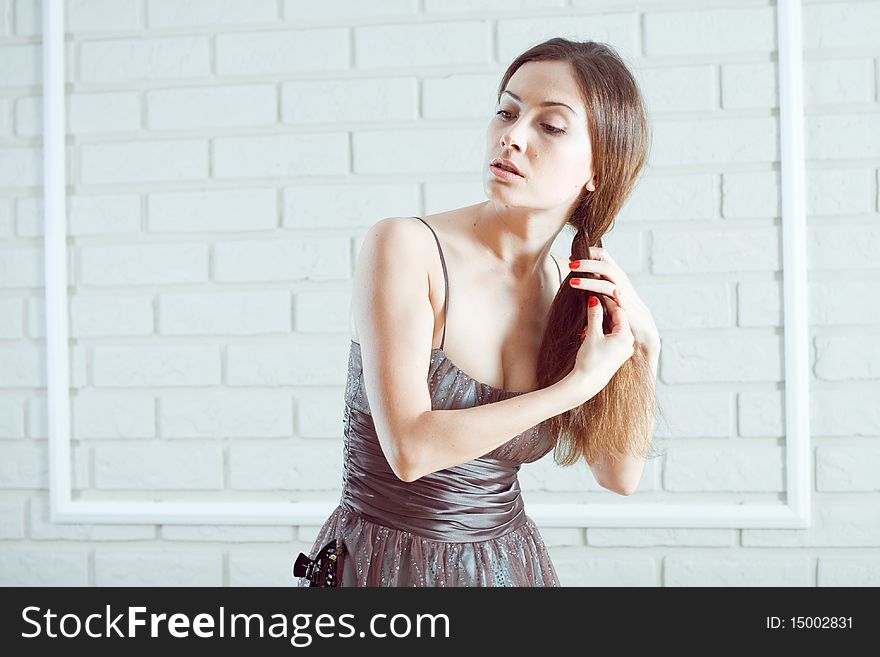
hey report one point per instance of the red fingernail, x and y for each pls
(593, 301)
(575, 281)
(574, 264)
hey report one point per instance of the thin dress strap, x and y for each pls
(445, 281)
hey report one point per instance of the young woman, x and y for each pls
(435, 429)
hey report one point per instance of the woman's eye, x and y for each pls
(551, 129)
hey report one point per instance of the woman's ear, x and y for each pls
(591, 184)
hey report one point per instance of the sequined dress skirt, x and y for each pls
(382, 556)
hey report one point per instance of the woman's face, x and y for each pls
(550, 145)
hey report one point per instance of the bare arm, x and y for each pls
(392, 309)
(445, 438)
(623, 476)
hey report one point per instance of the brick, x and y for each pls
(23, 366)
(843, 411)
(144, 264)
(322, 311)
(575, 567)
(848, 468)
(21, 267)
(158, 466)
(198, 13)
(837, 521)
(843, 247)
(347, 206)
(92, 16)
(42, 529)
(50, 566)
(709, 31)
(721, 359)
(693, 414)
(837, 81)
(5, 119)
(849, 570)
(517, 34)
(19, 66)
(422, 45)
(251, 312)
(845, 191)
(841, 25)
(153, 58)
(319, 413)
(678, 88)
(282, 52)
(109, 415)
(842, 136)
(737, 468)
(163, 566)
(464, 95)
(105, 315)
(303, 362)
(104, 112)
(139, 162)
(844, 357)
(224, 210)
(287, 468)
(216, 106)
(433, 150)
(156, 365)
(761, 414)
(729, 140)
(12, 518)
(11, 319)
(751, 570)
(226, 534)
(545, 475)
(11, 418)
(265, 567)
(690, 305)
(305, 102)
(281, 156)
(750, 194)
(842, 301)
(463, 6)
(746, 86)
(671, 198)
(283, 260)
(759, 303)
(20, 167)
(24, 465)
(220, 414)
(643, 537)
(97, 113)
(104, 214)
(692, 251)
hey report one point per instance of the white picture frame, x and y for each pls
(794, 514)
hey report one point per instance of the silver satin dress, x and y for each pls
(461, 526)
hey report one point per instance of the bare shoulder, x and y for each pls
(391, 261)
(398, 232)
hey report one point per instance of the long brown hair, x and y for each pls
(618, 420)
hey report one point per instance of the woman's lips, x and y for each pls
(504, 174)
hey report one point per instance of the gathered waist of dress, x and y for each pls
(474, 501)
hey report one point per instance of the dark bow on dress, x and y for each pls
(325, 569)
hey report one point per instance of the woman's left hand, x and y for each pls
(612, 282)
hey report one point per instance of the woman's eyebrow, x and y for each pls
(546, 103)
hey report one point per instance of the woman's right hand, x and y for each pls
(601, 354)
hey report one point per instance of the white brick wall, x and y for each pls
(227, 159)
